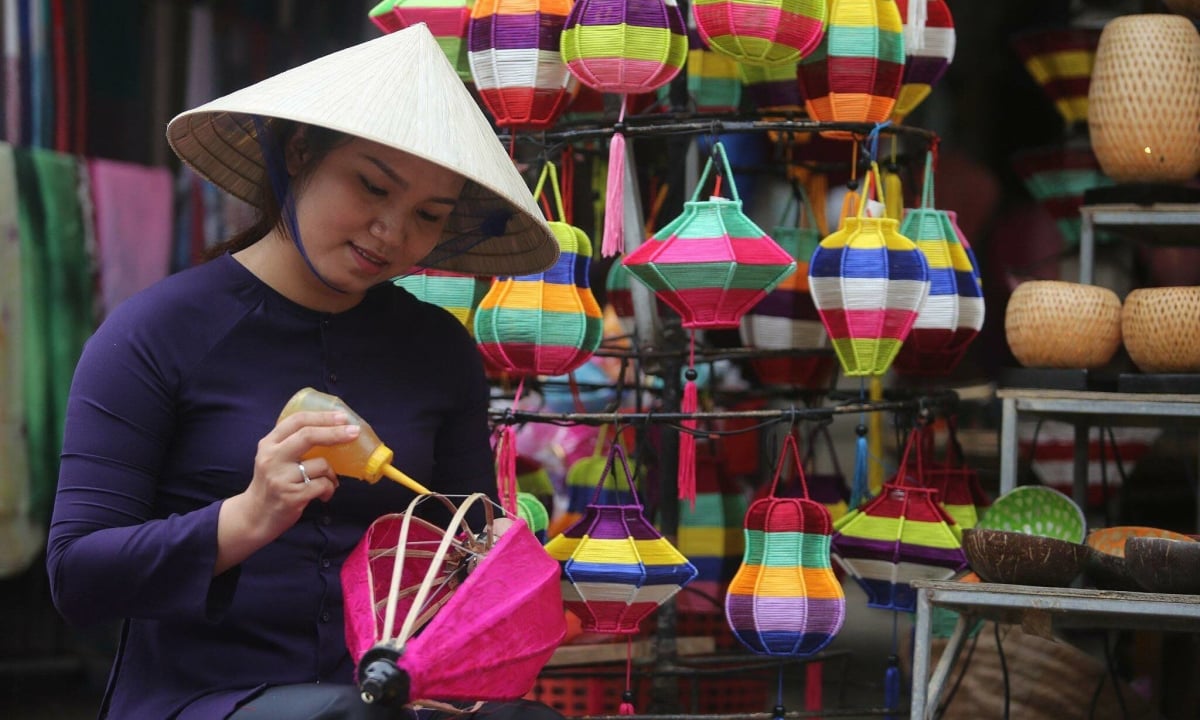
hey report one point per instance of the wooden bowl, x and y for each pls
(1105, 566)
(1015, 558)
(1164, 565)
(1055, 324)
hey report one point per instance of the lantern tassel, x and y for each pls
(506, 469)
(891, 685)
(614, 196)
(687, 440)
(626, 707)
(858, 488)
(893, 194)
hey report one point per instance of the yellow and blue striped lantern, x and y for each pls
(446, 19)
(1060, 61)
(712, 263)
(455, 293)
(785, 599)
(929, 42)
(951, 315)
(616, 568)
(548, 323)
(868, 281)
(902, 534)
(513, 51)
(625, 47)
(762, 32)
(854, 74)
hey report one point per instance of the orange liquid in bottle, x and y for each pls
(365, 457)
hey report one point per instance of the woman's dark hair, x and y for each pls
(318, 142)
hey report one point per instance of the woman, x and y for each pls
(183, 508)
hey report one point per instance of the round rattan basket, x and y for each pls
(1191, 8)
(1161, 329)
(1144, 99)
(1055, 324)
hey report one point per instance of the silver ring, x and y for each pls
(304, 472)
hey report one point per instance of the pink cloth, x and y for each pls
(133, 219)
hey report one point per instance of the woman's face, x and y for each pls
(368, 212)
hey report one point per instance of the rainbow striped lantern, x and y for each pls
(1060, 60)
(952, 314)
(903, 534)
(787, 318)
(854, 74)
(711, 265)
(761, 32)
(929, 49)
(446, 19)
(513, 51)
(548, 323)
(785, 599)
(623, 47)
(616, 568)
(712, 78)
(868, 281)
(456, 293)
(710, 534)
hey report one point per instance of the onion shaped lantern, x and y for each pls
(513, 51)
(854, 74)
(547, 323)
(455, 293)
(929, 42)
(868, 281)
(447, 20)
(951, 315)
(761, 32)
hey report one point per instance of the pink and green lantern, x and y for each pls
(951, 315)
(929, 41)
(446, 19)
(762, 32)
(868, 282)
(513, 52)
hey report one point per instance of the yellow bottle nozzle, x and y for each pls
(394, 474)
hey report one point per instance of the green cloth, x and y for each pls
(56, 272)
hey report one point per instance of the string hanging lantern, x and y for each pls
(854, 74)
(951, 315)
(446, 19)
(513, 52)
(761, 32)
(867, 281)
(545, 323)
(456, 293)
(711, 265)
(929, 43)
(627, 48)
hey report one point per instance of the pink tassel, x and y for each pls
(626, 707)
(506, 470)
(687, 442)
(614, 199)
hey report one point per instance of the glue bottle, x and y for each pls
(365, 457)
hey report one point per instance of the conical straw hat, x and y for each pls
(401, 91)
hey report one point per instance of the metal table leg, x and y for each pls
(1008, 446)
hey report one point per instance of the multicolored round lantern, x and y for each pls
(868, 281)
(785, 599)
(455, 293)
(616, 568)
(712, 78)
(626, 47)
(446, 19)
(1060, 60)
(1057, 177)
(929, 42)
(854, 74)
(761, 32)
(951, 315)
(513, 51)
(772, 87)
(548, 323)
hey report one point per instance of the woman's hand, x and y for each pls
(283, 484)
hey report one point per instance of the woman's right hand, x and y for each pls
(280, 490)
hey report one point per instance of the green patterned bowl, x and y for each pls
(1036, 510)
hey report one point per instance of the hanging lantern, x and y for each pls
(517, 503)
(957, 484)
(1060, 60)
(710, 534)
(785, 599)
(616, 568)
(786, 318)
(772, 87)
(929, 41)
(447, 20)
(712, 78)
(619, 297)
(867, 281)
(513, 51)
(951, 315)
(761, 32)
(1057, 177)
(546, 323)
(627, 47)
(854, 74)
(901, 535)
(455, 293)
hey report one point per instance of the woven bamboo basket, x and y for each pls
(1055, 324)
(1144, 99)
(1190, 8)
(1161, 329)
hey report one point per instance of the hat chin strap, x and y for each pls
(281, 186)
